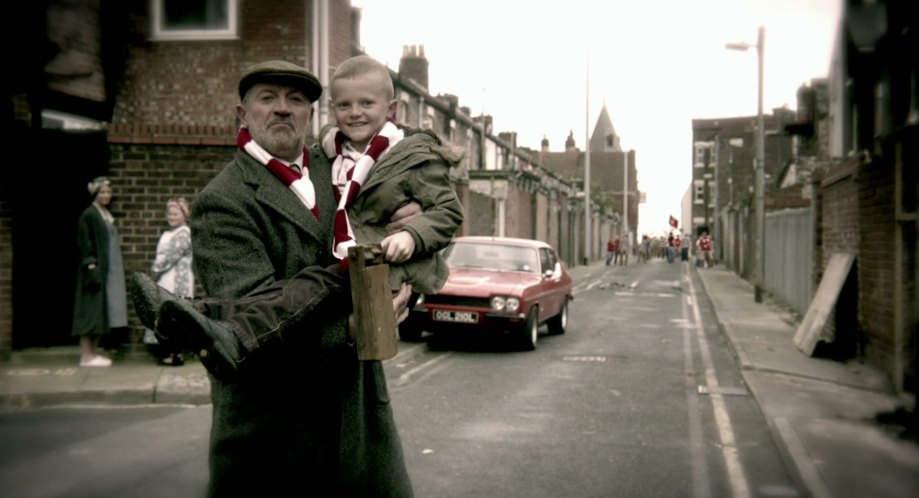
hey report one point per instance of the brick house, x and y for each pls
(721, 192)
(867, 197)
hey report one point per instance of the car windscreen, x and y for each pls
(492, 256)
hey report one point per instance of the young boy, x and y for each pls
(377, 167)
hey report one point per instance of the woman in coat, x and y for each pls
(101, 301)
(172, 271)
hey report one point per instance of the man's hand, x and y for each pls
(398, 247)
(403, 216)
(400, 302)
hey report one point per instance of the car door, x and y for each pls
(553, 287)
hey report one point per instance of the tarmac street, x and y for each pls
(823, 414)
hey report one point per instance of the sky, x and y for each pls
(546, 69)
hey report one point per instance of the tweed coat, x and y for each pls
(90, 309)
(308, 417)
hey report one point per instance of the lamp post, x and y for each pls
(587, 240)
(625, 196)
(760, 179)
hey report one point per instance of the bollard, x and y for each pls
(375, 330)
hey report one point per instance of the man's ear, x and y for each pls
(241, 113)
(393, 106)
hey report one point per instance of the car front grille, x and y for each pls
(472, 302)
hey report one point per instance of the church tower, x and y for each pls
(604, 138)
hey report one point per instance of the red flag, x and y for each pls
(673, 222)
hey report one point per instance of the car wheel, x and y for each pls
(530, 332)
(409, 332)
(559, 323)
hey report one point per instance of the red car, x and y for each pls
(499, 284)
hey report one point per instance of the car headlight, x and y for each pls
(501, 303)
(420, 299)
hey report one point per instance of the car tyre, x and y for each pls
(410, 332)
(530, 332)
(559, 323)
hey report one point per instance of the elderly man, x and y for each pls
(309, 417)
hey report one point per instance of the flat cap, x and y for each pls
(280, 73)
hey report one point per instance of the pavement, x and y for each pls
(836, 423)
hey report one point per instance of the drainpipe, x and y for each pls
(313, 30)
(319, 57)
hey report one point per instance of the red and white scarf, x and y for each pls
(349, 171)
(298, 182)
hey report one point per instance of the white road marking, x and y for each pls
(739, 485)
(404, 378)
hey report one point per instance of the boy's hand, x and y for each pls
(403, 216)
(398, 247)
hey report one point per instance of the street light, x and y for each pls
(760, 180)
(587, 240)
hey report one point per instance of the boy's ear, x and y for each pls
(393, 105)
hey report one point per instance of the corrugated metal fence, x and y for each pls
(789, 255)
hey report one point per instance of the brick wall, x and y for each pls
(147, 175)
(480, 215)
(541, 220)
(174, 120)
(194, 82)
(876, 223)
(519, 214)
(838, 220)
(463, 193)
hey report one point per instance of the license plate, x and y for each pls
(456, 316)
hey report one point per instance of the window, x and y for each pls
(63, 121)
(698, 191)
(700, 156)
(547, 260)
(427, 122)
(703, 153)
(193, 19)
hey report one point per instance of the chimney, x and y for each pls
(545, 144)
(414, 65)
(356, 29)
(510, 137)
(569, 143)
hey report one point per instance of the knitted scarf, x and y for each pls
(299, 183)
(349, 174)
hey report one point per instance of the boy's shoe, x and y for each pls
(181, 323)
(147, 297)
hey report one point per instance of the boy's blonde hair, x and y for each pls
(361, 65)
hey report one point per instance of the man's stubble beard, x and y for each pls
(278, 143)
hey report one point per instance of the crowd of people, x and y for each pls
(670, 247)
